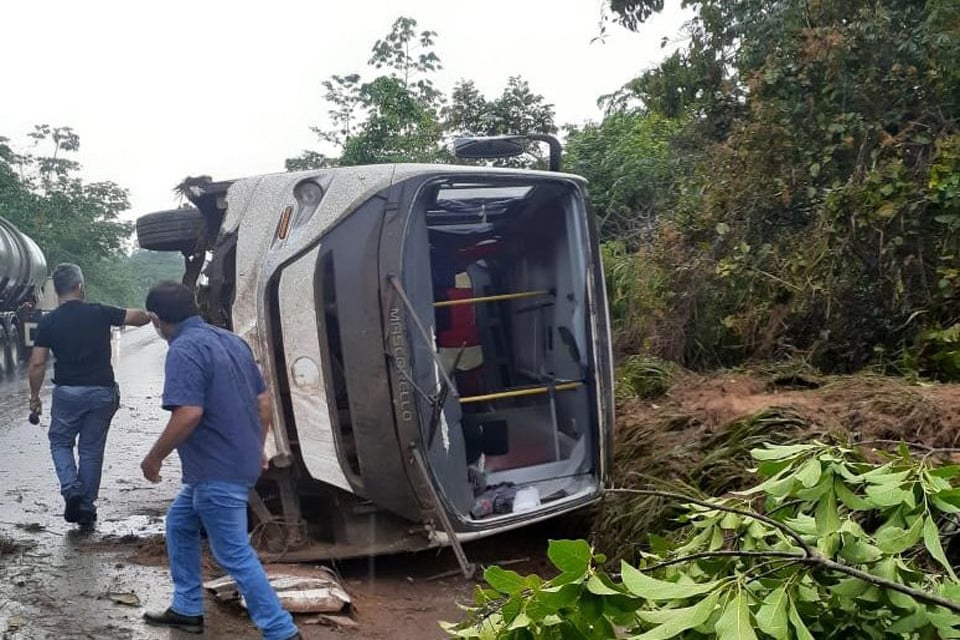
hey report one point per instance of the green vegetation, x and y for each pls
(76, 221)
(401, 116)
(643, 377)
(826, 544)
(787, 185)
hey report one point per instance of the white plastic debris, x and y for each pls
(298, 594)
(526, 499)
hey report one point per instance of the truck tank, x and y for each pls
(23, 272)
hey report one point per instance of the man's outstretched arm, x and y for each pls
(36, 371)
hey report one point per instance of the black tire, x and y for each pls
(9, 366)
(176, 230)
(17, 346)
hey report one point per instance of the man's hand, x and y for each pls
(135, 318)
(151, 468)
(36, 406)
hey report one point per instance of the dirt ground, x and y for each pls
(864, 407)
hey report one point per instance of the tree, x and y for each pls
(517, 110)
(633, 169)
(817, 211)
(71, 220)
(392, 118)
(401, 116)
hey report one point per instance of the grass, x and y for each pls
(644, 377)
(679, 452)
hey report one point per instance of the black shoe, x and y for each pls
(71, 513)
(170, 618)
(87, 522)
(296, 636)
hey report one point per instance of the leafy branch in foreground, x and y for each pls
(826, 544)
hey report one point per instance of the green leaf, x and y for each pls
(683, 619)
(658, 544)
(859, 552)
(781, 452)
(772, 616)
(883, 475)
(949, 471)
(570, 556)
(642, 585)
(950, 590)
(950, 497)
(828, 544)
(890, 495)
(536, 610)
(944, 506)
(809, 474)
(907, 624)
(828, 520)
(945, 623)
(734, 623)
(931, 540)
(802, 524)
(802, 632)
(936, 484)
(559, 597)
(901, 600)
(850, 588)
(850, 499)
(731, 521)
(596, 586)
(504, 581)
(772, 468)
(522, 621)
(894, 540)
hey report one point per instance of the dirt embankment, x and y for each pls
(697, 437)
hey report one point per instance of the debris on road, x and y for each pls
(337, 622)
(298, 594)
(128, 598)
(9, 546)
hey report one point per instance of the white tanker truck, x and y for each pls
(23, 284)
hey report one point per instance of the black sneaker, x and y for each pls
(87, 519)
(71, 513)
(174, 620)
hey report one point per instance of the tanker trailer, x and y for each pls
(23, 273)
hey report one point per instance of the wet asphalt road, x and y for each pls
(56, 583)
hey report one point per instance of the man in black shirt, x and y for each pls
(85, 396)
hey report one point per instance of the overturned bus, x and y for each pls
(435, 338)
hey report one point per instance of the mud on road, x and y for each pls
(57, 583)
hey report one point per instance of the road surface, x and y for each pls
(55, 583)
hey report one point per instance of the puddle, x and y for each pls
(131, 528)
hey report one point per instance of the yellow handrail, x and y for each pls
(517, 393)
(496, 298)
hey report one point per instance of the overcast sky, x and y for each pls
(161, 90)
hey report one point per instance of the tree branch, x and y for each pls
(725, 554)
(810, 557)
(869, 578)
(807, 549)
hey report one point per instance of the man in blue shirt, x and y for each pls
(219, 415)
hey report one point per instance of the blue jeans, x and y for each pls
(221, 509)
(84, 413)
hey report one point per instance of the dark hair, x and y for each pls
(66, 278)
(171, 301)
